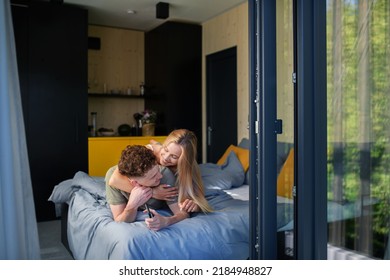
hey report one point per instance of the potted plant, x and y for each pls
(148, 120)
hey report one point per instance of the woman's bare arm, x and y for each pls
(119, 181)
(162, 192)
(165, 192)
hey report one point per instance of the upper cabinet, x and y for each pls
(117, 65)
(173, 77)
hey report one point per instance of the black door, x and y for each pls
(221, 96)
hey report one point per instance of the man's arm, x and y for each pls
(127, 212)
(123, 214)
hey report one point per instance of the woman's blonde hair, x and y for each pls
(189, 180)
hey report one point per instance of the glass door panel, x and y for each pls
(358, 92)
(285, 140)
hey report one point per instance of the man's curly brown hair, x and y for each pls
(136, 161)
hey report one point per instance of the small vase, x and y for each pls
(148, 129)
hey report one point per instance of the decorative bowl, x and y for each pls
(107, 133)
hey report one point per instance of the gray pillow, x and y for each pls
(62, 192)
(245, 144)
(94, 185)
(223, 177)
(283, 149)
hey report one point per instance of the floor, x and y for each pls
(50, 241)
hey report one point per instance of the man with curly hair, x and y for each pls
(139, 165)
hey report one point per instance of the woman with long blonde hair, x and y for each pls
(178, 153)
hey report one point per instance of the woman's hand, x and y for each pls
(189, 206)
(156, 146)
(165, 192)
(154, 142)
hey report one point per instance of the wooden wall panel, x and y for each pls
(120, 62)
(118, 65)
(219, 33)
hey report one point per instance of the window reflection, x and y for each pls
(358, 62)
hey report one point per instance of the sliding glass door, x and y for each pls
(288, 129)
(272, 128)
(285, 160)
(358, 117)
(320, 133)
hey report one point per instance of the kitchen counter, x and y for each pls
(104, 152)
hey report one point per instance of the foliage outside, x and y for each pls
(359, 118)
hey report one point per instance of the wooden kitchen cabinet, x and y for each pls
(105, 152)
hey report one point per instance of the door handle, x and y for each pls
(209, 130)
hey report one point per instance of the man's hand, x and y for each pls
(165, 192)
(157, 222)
(138, 196)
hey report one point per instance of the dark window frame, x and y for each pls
(310, 227)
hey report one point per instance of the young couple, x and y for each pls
(154, 176)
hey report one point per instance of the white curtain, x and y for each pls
(18, 227)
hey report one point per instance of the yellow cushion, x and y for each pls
(286, 177)
(242, 154)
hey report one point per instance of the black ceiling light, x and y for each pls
(162, 10)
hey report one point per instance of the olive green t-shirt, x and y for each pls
(115, 196)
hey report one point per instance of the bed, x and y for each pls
(92, 234)
(89, 231)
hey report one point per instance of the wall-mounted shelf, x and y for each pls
(113, 95)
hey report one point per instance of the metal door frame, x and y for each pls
(310, 227)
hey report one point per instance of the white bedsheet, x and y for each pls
(241, 193)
